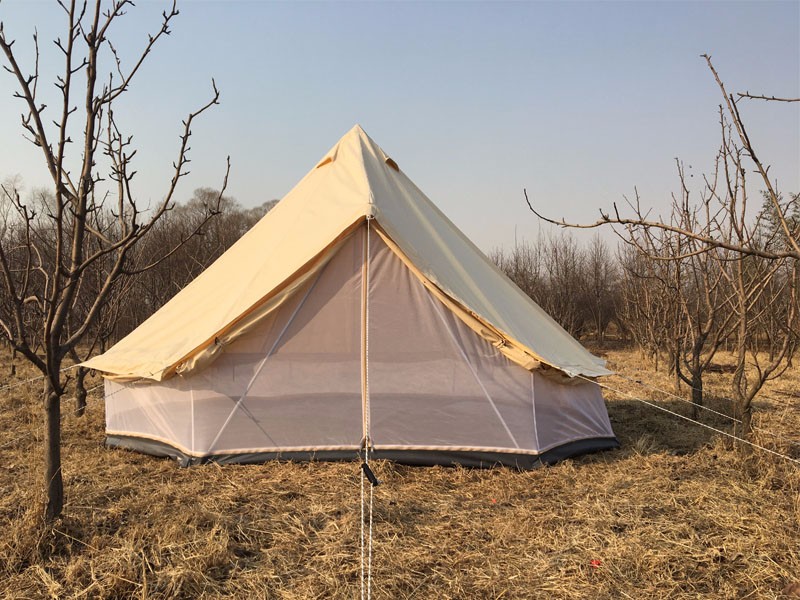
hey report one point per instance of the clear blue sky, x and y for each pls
(577, 102)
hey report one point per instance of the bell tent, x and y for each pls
(354, 306)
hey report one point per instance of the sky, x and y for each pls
(577, 102)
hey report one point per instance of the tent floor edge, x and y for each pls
(426, 458)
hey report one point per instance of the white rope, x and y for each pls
(367, 437)
(27, 381)
(677, 397)
(761, 394)
(367, 477)
(11, 386)
(362, 535)
(40, 427)
(24, 435)
(685, 418)
(369, 561)
(366, 347)
(74, 412)
(729, 417)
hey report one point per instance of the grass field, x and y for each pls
(676, 513)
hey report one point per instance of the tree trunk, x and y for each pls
(697, 394)
(80, 391)
(746, 417)
(600, 332)
(676, 374)
(54, 482)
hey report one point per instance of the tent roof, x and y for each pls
(354, 180)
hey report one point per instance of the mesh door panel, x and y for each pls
(433, 382)
(294, 381)
(304, 387)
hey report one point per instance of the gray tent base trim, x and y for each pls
(407, 457)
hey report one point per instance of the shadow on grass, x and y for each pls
(648, 430)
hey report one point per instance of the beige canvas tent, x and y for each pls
(355, 305)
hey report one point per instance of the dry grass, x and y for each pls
(676, 513)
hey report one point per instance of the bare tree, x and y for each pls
(693, 281)
(550, 272)
(562, 259)
(205, 242)
(741, 270)
(762, 288)
(651, 302)
(639, 299)
(748, 246)
(523, 265)
(66, 259)
(599, 286)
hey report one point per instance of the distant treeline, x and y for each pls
(170, 256)
(658, 291)
(679, 299)
(155, 286)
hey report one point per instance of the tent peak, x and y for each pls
(358, 148)
(357, 132)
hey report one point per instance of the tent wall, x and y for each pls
(292, 386)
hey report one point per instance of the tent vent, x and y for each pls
(325, 161)
(392, 164)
